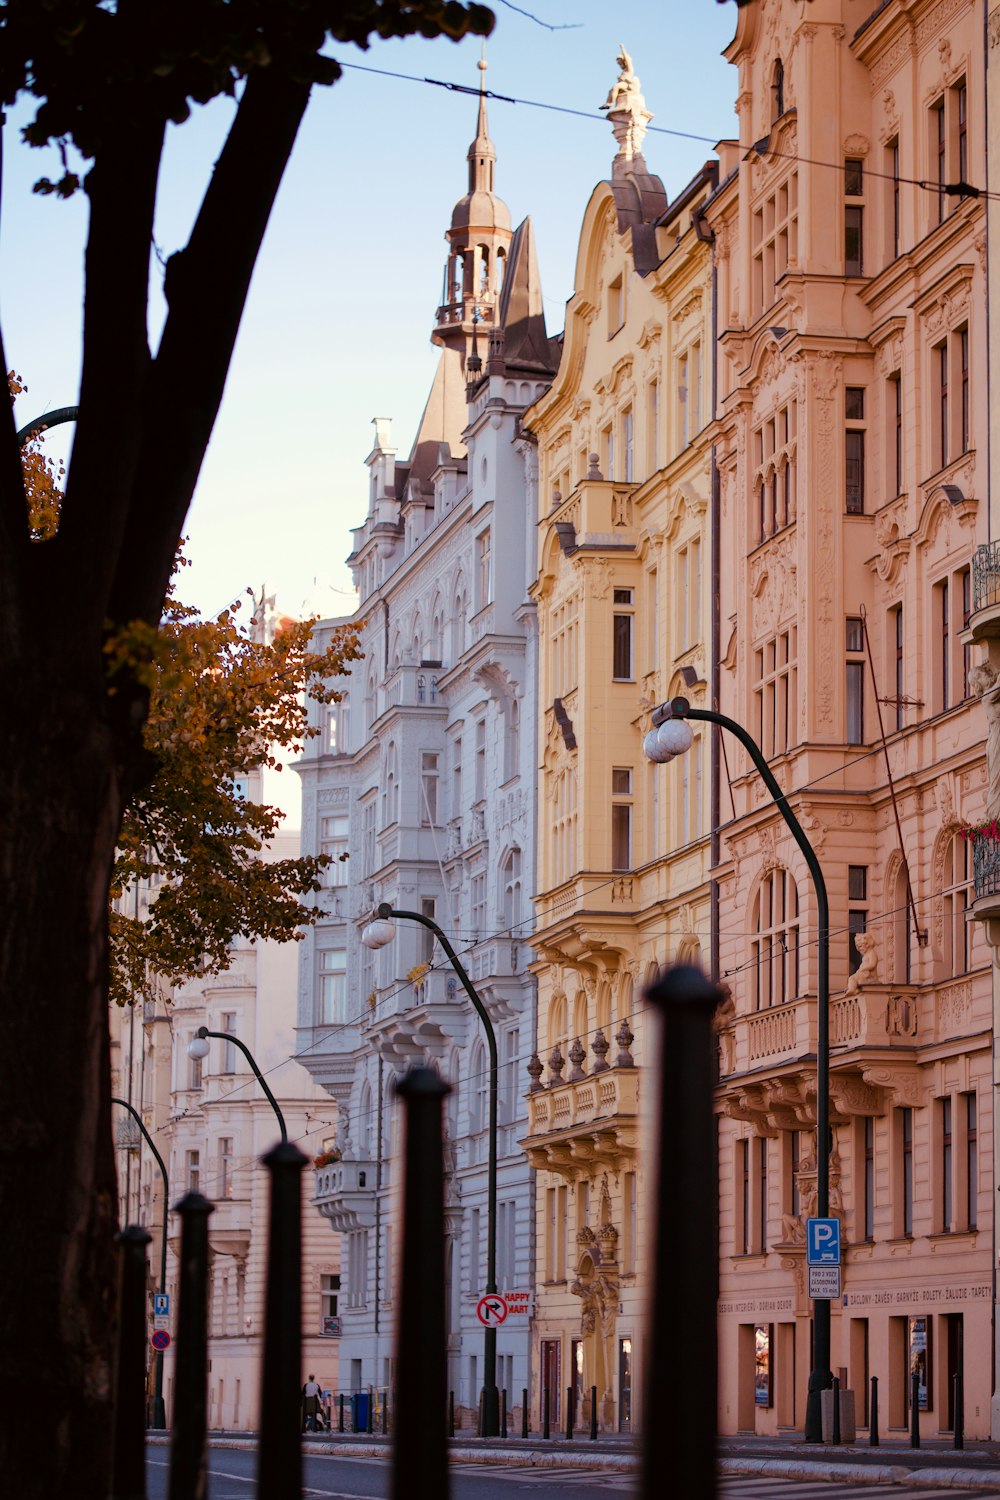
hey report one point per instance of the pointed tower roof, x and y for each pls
(526, 343)
(480, 207)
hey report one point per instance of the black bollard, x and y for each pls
(959, 1416)
(187, 1443)
(524, 1412)
(480, 1429)
(371, 1411)
(420, 1449)
(128, 1454)
(545, 1412)
(569, 1413)
(835, 1430)
(340, 1426)
(873, 1415)
(279, 1461)
(915, 1409)
(385, 1413)
(593, 1413)
(451, 1414)
(503, 1412)
(685, 1245)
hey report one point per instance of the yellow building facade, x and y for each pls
(623, 599)
(851, 442)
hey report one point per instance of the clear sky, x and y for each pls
(337, 325)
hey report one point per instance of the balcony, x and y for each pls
(984, 622)
(587, 1122)
(345, 1195)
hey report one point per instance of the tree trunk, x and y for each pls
(60, 810)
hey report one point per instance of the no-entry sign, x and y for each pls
(491, 1310)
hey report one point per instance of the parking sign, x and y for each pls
(823, 1242)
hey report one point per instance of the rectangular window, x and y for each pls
(905, 1128)
(621, 818)
(609, 452)
(630, 1224)
(868, 1179)
(510, 1065)
(898, 674)
(653, 426)
(332, 986)
(962, 337)
(894, 432)
(857, 916)
(853, 239)
(429, 780)
(480, 759)
(947, 1164)
(891, 176)
(329, 1293)
(192, 1171)
(761, 1234)
(456, 779)
(228, 1050)
(627, 445)
(854, 450)
(941, 367)
(743, 1197)
(224, 1184)
(334, 843)
(776, 693)
(616, 304)
(774, 241)
(195, 1074)
(485, 569)
(623, 665)
(938, 143)
(971, 1161)
(775, 471)
(855, 667)
(478, 894)
(965, 585)
(428, 908)
(944, 646)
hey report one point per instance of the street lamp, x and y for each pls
(669, 737)
(198, 1048)
(377, 934)
(159, 1410)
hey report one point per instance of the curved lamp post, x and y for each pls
(198, 1048)
(669, 737)
(377, 934)
(159, 1411)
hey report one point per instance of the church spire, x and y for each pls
(478, 238)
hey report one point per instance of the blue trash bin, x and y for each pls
(359, 1406)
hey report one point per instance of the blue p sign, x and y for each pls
(823, 1242)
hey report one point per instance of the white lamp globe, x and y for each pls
(198, 1047)
(674, 737)
(378, 933)
(653, 750)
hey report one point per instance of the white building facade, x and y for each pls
(422, 789)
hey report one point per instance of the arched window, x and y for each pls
(580, 1027)
(459, 622)
(390, 788)
(901, 925)
(564, 826)
(479, 1090)
(777, 90)
(511, 884)
(369, 705)
(511, 738)
(365, 1123)
(557, 1022)
(604, 1006)
(956, 885)
(775, 945)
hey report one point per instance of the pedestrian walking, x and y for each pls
(311, 1393)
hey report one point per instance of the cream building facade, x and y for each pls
(623, 601)
(851, 439)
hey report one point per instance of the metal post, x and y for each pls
(569, 1413)
(503, 1412)
(371, 1410)
(835, 1430)
(524, 1411)
(451, 1414)
(959, 1411)
(820, 1375)
(279, 1464)
(228, 1036)
(340, 1423)
(915, 1409)
(385, 1413)
(128, 1454)
(420, 1452)
(159, 1410)
(593, 1413)
(187, 1446)
(873, 1415)
(685, 1245)
(490, 1425)
(545, 1413)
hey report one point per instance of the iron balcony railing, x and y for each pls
(986, 576)
(986, 864)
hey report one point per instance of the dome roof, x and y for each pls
(480, 210)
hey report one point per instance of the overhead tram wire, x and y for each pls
(959, 190)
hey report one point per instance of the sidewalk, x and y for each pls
(936, 1464)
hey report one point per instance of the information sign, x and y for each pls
(823, 1242)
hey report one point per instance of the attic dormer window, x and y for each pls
(777, 90)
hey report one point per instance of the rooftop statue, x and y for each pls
(627, 110)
